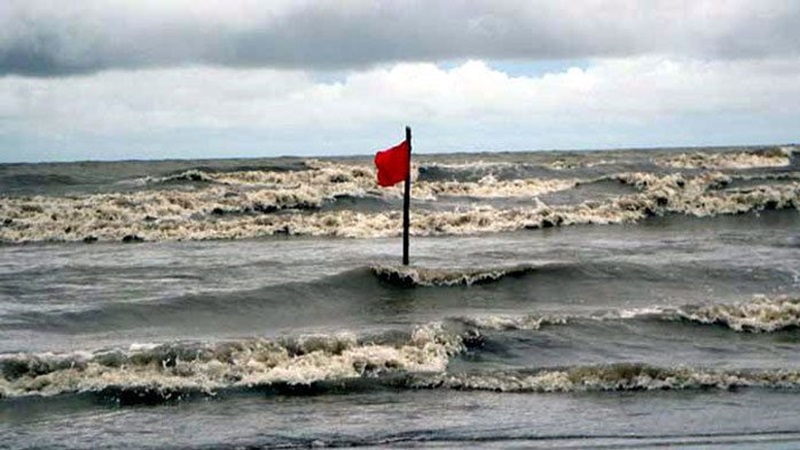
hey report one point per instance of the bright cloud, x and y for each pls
(609, 90)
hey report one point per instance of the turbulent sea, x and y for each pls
(635, 298)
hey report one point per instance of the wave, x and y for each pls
(509, 323)
(414, 358)
(611, 377)
(758, 315)
(255, 307)
(490, 187)
(419, 276)
(465, 170)
(193, 175)
(566, 163)
(312, 172)
(248, 363)
(211, 172)
(155, 374)
(347, 180)
(775, 157)
(226, 210)
(323, 296)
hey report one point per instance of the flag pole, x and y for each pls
(407, 200)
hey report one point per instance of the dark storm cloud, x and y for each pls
(46, 38)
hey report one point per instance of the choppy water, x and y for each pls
(628, 298)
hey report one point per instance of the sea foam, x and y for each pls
(249, 204)
(612, 377)
(205, 368)
(778, 157)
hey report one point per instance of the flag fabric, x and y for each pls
(392, 164)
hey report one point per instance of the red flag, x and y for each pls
(392, 164)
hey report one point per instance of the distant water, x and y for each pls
(559, 299)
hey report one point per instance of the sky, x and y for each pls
(158, 79)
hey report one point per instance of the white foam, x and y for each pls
(509, 322)
(616, 377)
(760, 315)
(209, 367)
(421, 276)
(472, 165)
(729, 160)
(490, 187)
(220, 212)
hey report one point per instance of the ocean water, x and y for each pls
(635, 298)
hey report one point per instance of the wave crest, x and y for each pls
(505, 323)
(417, 358)
(613, 377)
(418, 276)
(199, 367)
(227, 210)
(779, 157)
(761, 315)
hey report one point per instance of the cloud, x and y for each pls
(51, 38)
(634, 89)
(468, 104)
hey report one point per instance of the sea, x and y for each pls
(633, 298)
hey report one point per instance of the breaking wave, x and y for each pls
(234, 205)
(193, 175)
(416, 358)
(216, 213)
(761, 315)
(612, 377)
(453, 196)
(418, 276)
(154, 378)
(206, 368)
(465, 170)
(779, 157)
(490, 187)
(508, 323)
(249, 204)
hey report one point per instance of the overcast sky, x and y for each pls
(200, 78)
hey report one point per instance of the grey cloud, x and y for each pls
(47, 38)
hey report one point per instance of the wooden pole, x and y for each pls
(407, 200)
